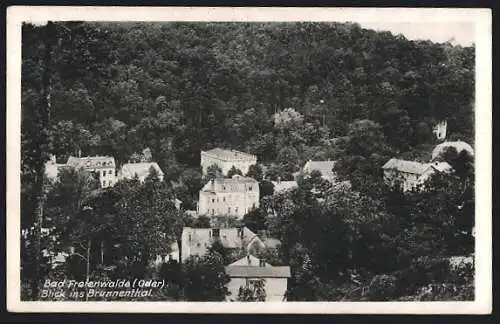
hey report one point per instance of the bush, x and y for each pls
(382, 287)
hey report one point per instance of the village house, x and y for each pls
(226, 159)
(103, 166)
(411, 174)
(196, 241)
(234, 196)
(141, 170)
(459, 146)
(248, 270)
(325, 167)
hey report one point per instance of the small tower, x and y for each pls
(440, 130)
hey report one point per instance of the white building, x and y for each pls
(230, 197)
(142, 170)
(410, 173)
(104, 166)
(459, 146)
(226, 159)
(325, 167)
(248, 270)
(197, 241)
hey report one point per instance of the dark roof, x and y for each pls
(257, 272)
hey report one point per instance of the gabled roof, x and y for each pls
(91, 162)
(129, 170)
(229, 155)
(406, 166)
(249, 260)
(416, 167)
(325, 167)
(441, 166)
(257, 272)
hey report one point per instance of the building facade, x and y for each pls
(410, 174)
(103, 166)
(234, 196)
(197, 241)
(247, 271)
(226, 159)
(141, 170)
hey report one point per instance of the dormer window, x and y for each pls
(250, 188)
(215, 232)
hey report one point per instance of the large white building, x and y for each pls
(141, 170)
(230, 197)
(226, 159)
(104, 166)
(411, 174)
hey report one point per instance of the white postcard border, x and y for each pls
(16, 15)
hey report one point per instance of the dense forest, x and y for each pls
(287, 92)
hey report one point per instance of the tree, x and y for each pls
(255, 219)
(266, 188)
(255, 171)
(205, 280)
(213, 172)
(233, 171)
(202, 221)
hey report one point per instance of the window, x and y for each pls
(104, 183)
(235, 209)
(253, 205)
(213, 211)
(224, 199)
(213, 200)
(229, 210)
(104, 173)
(250, 188)
(223, 187)
(215, 232)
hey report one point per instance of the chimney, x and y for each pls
(79, 153)
(53, 159)
(279, 179)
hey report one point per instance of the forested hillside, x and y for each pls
(287, 92)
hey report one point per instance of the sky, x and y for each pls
(462, 33)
